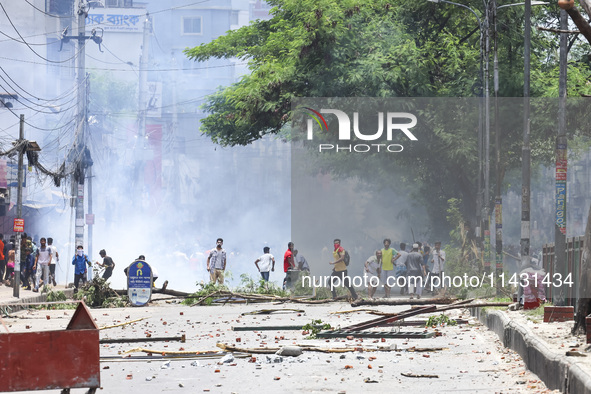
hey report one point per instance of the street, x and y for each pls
(472, 359)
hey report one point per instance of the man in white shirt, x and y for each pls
(42, 261)
(267, 263)
(438, 260)
(373, 270)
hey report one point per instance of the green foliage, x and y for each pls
(204, 289)
(108, 94)
(441, 320)
(55, 296)
(314, 327)
(98, 293)
(249, 285)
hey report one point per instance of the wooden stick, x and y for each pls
(414, 375)
(122, 324)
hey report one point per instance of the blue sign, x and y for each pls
(139, 283)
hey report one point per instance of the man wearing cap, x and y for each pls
(107, 264)
(416, 272)
(267, 263)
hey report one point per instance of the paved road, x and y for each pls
(473, 361)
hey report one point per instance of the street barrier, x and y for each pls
(47, 360)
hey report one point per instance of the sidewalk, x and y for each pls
(543, 347)
(9, 303)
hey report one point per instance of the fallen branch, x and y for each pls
(414, 375)
(356, 310)
(312, 348)
(122, 324)
(399, 301)
(269, 311)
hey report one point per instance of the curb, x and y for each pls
(7, 307)
(557, 371)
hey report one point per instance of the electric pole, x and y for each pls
(561, 168)
(79, 144)
(526, 149)
(19, 208)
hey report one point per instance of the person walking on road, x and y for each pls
(373, 268)
(438, 260)
(42, 261)
(288, 265)
(339, 270)
(54, 260)
(216, 263)
(108, 264)
(416, 272)
(80, 263)
(267, 262)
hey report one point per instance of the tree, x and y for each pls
(367, 48)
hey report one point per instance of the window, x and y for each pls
(191, 25)
(119, 3)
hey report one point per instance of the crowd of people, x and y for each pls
(38, 263)
(386, 267)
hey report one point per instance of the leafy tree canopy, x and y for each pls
(379, 48)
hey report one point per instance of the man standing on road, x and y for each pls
(80, 261)
(42, 261)
(400, 269)
(340, 270)
(373, 267)
(216, 263)
(388, 272)
(108, 264)
(438, 259)
(288, 265)
(267, 263)
(416, 272)
(54, 259)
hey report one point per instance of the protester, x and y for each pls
(108, 264)
(267, 261)
(340, 270)
(42, 260)
(80, 261)
(438, 260)
(388, 255)
(373, 267)
(288, 266)
(416, 272)
(29, 270)
(400, 270)
(300, 261)
(2, 259)
(9, 281)
(55, 259)
(216, 263)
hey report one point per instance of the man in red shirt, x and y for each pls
(288, 265)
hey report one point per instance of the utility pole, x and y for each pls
(19, 208)
(526, 149)
(143, 101)
(486, 214)
(561, 168)
(79, 144)
(498, 195)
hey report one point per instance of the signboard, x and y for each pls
(126, 20)
(19, 225)
(139, 283)
(90, 218)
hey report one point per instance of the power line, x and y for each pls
(29, 46)
(126, 70)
